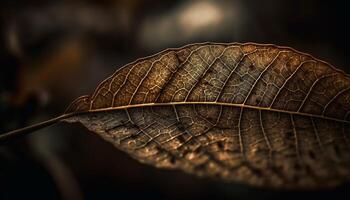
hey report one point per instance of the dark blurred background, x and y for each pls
(54, 51)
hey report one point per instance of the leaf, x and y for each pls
(263, 115)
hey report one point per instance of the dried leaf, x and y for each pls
(259, 114)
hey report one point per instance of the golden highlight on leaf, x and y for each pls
(263, 115)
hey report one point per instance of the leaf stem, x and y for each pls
(11, 135)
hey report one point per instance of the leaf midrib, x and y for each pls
(213, 103)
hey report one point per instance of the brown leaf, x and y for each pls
(264, 115)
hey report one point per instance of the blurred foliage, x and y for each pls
(54, 51)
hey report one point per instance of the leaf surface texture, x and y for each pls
(264, 115)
